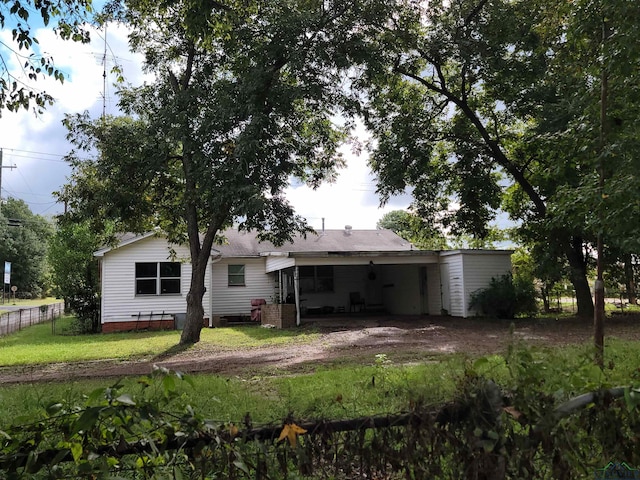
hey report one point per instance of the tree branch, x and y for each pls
(492, 144)
(475, 12)
(188, 71)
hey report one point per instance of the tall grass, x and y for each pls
(348, 391)
(354, 387)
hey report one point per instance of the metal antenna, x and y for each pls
(104, 74)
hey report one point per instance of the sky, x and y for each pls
(36, 145)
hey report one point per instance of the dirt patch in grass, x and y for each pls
(347, 340)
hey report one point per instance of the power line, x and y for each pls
(35, 155)
(1, 167)
(31, 151)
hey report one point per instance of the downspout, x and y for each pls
(296, 289)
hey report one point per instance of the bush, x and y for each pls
(506, 297)
(85, 303)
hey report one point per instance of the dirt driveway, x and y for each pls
(344, 340)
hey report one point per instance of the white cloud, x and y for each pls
(351, 200)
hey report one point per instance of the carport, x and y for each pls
(404, 282)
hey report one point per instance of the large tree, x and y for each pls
(245, 96)
(474, 103)
(68, 18)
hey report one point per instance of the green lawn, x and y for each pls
(37, 345)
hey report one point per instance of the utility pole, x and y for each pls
(1, 167)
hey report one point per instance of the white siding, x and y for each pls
(434, 297)
(119, 301)
(479, 268)
(278, 263)
(466, 271)
(236, 300)
(452, 278)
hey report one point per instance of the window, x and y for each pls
(158, 278)
(236, 275)
(316, 279)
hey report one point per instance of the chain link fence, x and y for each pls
(16, 320)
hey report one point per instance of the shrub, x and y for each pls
(85, 303)
(506, 297)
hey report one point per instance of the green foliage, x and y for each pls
(484, 105)
(244, 97)
(69, 16)
(413, 229)
(506, 297)
(23, 242)
(75, 272)
(153, 432)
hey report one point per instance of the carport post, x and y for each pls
(296, 289)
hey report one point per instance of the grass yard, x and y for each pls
(36, 345)
(343, 390)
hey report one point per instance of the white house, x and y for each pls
(145, 280)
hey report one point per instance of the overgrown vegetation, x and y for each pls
(506, 297)
(74, 271)
(518, 426)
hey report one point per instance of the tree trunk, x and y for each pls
(195, 310)
(544, 293)
(578, 275)
(629, 279)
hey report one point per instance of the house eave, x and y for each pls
(390, 253)
(473, 251)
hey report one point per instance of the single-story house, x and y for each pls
(145, 280)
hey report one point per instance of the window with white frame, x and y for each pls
(158, 278)
(236, 276)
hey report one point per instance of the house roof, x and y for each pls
(347, 242)
(122, 240)
(245, 244)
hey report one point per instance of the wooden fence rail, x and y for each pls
(16, 320)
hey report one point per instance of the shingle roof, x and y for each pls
(245, 244)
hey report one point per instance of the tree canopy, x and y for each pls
(488, 104)
(246, 95)
(68, 18)
(23, 242)
(413, 229)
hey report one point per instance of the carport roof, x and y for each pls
(327, 242)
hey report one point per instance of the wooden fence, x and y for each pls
(25, 317)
